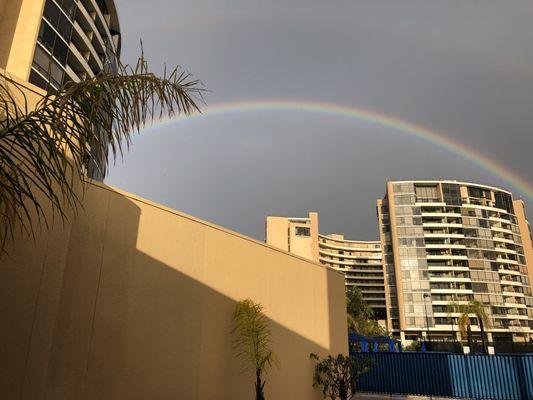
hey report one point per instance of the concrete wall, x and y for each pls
(525, 234)
(277, 232)
(132, 300)
(306, 247)
(19, 28)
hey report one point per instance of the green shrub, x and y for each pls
(339, 375)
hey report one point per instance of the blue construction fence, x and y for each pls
(500, 377)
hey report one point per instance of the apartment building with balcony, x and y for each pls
(362, 265)
(52, 42)
(76, 39)
(446, 243)
(359, 261)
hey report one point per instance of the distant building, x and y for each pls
(443, 243)
(360, 261)
(296, 235)
(448, 242)
(362, 265)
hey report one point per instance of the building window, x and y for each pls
(479, 193)
(452, 194)
(38, 80)
(47, 67)
(53, 43)
(303, 231)
(427, 194)
(58, 19)
(504, 201)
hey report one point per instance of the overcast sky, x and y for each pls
(463, 68)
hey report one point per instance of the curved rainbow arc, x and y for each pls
(370, 117)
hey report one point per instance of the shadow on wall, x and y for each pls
(143, 306)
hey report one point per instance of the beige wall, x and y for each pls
(305, 246)
(314, 236)
(396, 255)
(525, 234)
(134, 301)
(277, 232)
(379, 205)
(19, 27)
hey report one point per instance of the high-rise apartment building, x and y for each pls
(362, 265)
(52, 42)
(359, 261)
(56, 41)
(447, 243)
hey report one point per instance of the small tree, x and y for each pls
(338, 376)
(361, 317)
(416, 345)
(252, 341)
(476, 308)
(450, 309)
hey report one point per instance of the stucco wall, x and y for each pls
(134, 301)
(19, 28)
(525, 234)
(281, 233)
(277, 231)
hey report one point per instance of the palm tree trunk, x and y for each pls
(259, 386)
(469, 335)
(343, 392)
(483, 341)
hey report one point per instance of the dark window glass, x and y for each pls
(60, 51)
(50, 40)
(38, 80)
(43, 63)
(47, 36)
(504, 201)
(478, 193)
(452, 194)
(58, 20)
(483, 223)
(103, 7)
(302, 231)
(479, 287)
(69, 6)
(41, 58)
(51, 12)
(64, 27)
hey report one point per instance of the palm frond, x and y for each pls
(475, 308)
(464, 322)
(45, 149)
(252, 337)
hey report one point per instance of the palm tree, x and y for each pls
(450, 309)
(361, 317)
(45, 149)
(473, 308)
(252, 341)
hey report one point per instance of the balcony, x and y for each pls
(445, 246)
(441, 225)
(446, 257)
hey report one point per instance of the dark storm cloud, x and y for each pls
(464, 68)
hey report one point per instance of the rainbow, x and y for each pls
(360, 114)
